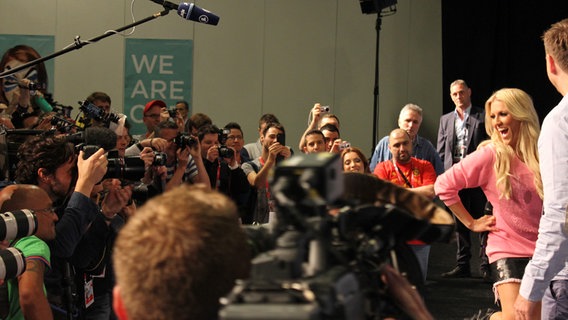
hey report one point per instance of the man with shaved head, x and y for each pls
(409, 172)
(26, 296)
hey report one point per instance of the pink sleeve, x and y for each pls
(476, 170)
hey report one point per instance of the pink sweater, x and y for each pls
(517, 218)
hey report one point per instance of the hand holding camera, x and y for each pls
(316, 113)
(339, 145)
(91, 171)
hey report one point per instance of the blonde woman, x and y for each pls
(506, 168)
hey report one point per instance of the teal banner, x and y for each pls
(156, 69)
(44, 45)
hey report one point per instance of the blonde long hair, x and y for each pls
(521, 108)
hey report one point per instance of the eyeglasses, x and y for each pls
(46, 210)
(153, 116)
(234, 137)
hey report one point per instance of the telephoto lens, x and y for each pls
(12, 263)
(17, 224)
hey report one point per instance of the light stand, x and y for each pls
(368, 7)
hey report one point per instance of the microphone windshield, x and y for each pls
(100, 136)
(190, 11)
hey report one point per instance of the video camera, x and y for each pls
(95, 113)
(322, 257)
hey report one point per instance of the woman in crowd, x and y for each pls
(506, 168)
(15, 90)
(353, 160)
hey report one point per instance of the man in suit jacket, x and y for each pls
(459, 134)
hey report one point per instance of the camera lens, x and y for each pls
(12, 263)
(17, 224)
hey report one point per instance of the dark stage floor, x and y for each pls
(450, 299)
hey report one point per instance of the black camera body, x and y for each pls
(62, 124)
(130, 168)
(172, 112)
(185, 140)
(225, 152)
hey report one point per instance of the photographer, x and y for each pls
(332, 138)
(225, 174)
(319, 116)
(184, 162)
(26, 297)
(91, 260)
(51, 164)
(257, 170)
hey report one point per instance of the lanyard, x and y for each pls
(400, 173)
(218, 181)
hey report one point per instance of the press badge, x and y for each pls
(89, 293)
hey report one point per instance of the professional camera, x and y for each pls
(224, 151)
(93, 112)
(130, 168)
(185, 140)
(14, 225)
(317, 265)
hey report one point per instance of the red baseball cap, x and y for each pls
(152, 103)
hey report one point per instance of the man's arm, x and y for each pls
(33, 301)
(316, 115)
(202, 176)
(259, 179)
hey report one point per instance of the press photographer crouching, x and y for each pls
(53, 165)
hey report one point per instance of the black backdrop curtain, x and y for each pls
(492, 44)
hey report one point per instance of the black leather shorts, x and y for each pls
(509, 268)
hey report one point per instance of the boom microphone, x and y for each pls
(190, 11)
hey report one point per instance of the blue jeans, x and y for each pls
(555, 301)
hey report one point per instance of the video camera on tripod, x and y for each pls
(323, 257)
